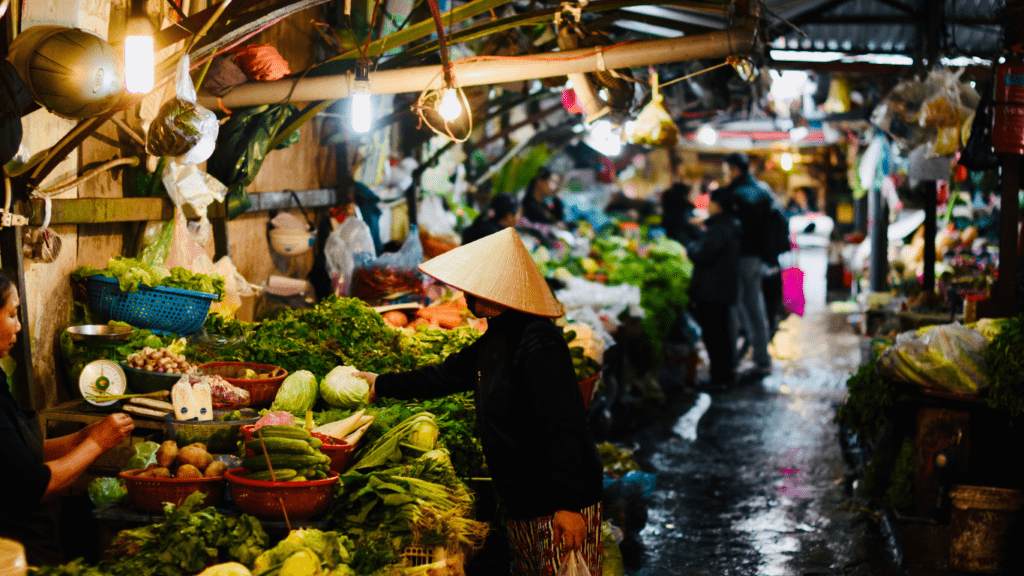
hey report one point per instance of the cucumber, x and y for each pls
(293, 461)
(298, 479)
(316, 442)
(319, 475)
(282, 475)
(284, 431)
(277, 445)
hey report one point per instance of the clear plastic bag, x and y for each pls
(105, 490)
(182, 128)
(394, 276)
(654, 126)
(348, 244)
(574, 565)
(949, 357)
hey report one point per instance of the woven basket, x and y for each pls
(265, 499)
(149, 494)
(163, 310)
(261, 390)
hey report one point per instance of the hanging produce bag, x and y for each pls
(183, 128)
(654, 126)
(574, 565)
(393, 278)
(243, 145)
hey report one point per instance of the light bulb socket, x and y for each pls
(363, 70)
(138, 22)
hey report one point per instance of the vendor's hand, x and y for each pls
(110, 431)
(372, 379)
(569, 528)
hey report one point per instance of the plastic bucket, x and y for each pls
(982, 519)
(12, 558)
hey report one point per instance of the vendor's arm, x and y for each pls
(66, 468)
(456, 374)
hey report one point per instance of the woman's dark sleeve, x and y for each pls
(456, 374)
(27, 479)
(575, 468)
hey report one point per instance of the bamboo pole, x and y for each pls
(736, 40)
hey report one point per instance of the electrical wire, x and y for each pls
(68, 184)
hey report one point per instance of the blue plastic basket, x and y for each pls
(163, 310)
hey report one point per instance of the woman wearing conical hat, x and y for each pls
(530, 415)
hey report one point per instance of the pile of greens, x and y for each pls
(308, 551)
(867, 409)
(131, 272)
(335, 332)
(185, 543)
(1005, 360)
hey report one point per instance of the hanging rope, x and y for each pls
(699, 72)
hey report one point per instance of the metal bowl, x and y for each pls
(100, 333)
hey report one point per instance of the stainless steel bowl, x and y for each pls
(100, 333)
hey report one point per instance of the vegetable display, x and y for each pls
(867, 409)
(1005, 356)
(298, 393)
(160, 360)
(341, 388)
(131, 272)
(293, 452)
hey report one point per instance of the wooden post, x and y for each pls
(928, 189)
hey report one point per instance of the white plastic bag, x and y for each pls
(348, 243)
(574, 565)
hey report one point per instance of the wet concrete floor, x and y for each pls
(752, 481)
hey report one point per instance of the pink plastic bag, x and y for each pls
(793, 290)
(574, 565)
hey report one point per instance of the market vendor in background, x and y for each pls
(530, 414)
(499, 214)
(36, 470)
(541, 204)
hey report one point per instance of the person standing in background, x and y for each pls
(541, 205)
(715, 285)
(501, 213)
(751, 204)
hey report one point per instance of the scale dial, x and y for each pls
(101, 376)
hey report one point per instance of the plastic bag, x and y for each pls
(187, 184)
(145, 454)
(183, 128)
(654, 126)
(574, 565)
(950, 357)
(348, 244)
(104, 490)
(394, 276)
(185, 250)
(436, 220)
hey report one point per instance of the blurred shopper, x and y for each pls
(541, 205)
(677, 214)
(714, 286)
(499, 214)
(752, 205)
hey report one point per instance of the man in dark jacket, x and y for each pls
(676, 213)
(751, 204)
(713, 288)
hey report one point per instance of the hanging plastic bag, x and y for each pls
(574, 565)
(348, 245)
(182, 128)
(185, 251)
(654, 126)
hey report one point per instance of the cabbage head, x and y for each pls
(341, 388)
(297, 394)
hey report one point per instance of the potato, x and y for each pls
(166, 454)
(195, 455)
(155, 473)
(188, 471)
(200, 445)
(216, 469)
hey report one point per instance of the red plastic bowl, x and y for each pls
(266, 499)
(149, 494)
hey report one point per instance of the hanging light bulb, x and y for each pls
(360, 106)
(707, 135)
(138, 50)
(786, 161)
(450, 108)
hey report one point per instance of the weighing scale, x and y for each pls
(101, 377)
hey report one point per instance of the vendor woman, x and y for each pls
(36, 470)
(530, 416)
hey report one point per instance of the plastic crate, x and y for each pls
(163, 310)
(423, 555)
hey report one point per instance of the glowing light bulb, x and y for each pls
(138, 63)
(707, 135)
(361, 112)
(450, 108)
(786, 161)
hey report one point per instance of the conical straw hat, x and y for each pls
(498, 268)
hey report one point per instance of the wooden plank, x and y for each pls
(104, 210)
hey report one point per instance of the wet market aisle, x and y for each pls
(752, 481)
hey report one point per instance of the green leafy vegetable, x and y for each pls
(298, 393)
(132, 272)
(1005, 360)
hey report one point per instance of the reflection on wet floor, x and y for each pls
(758, 486)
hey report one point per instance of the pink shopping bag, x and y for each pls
(793, 290)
